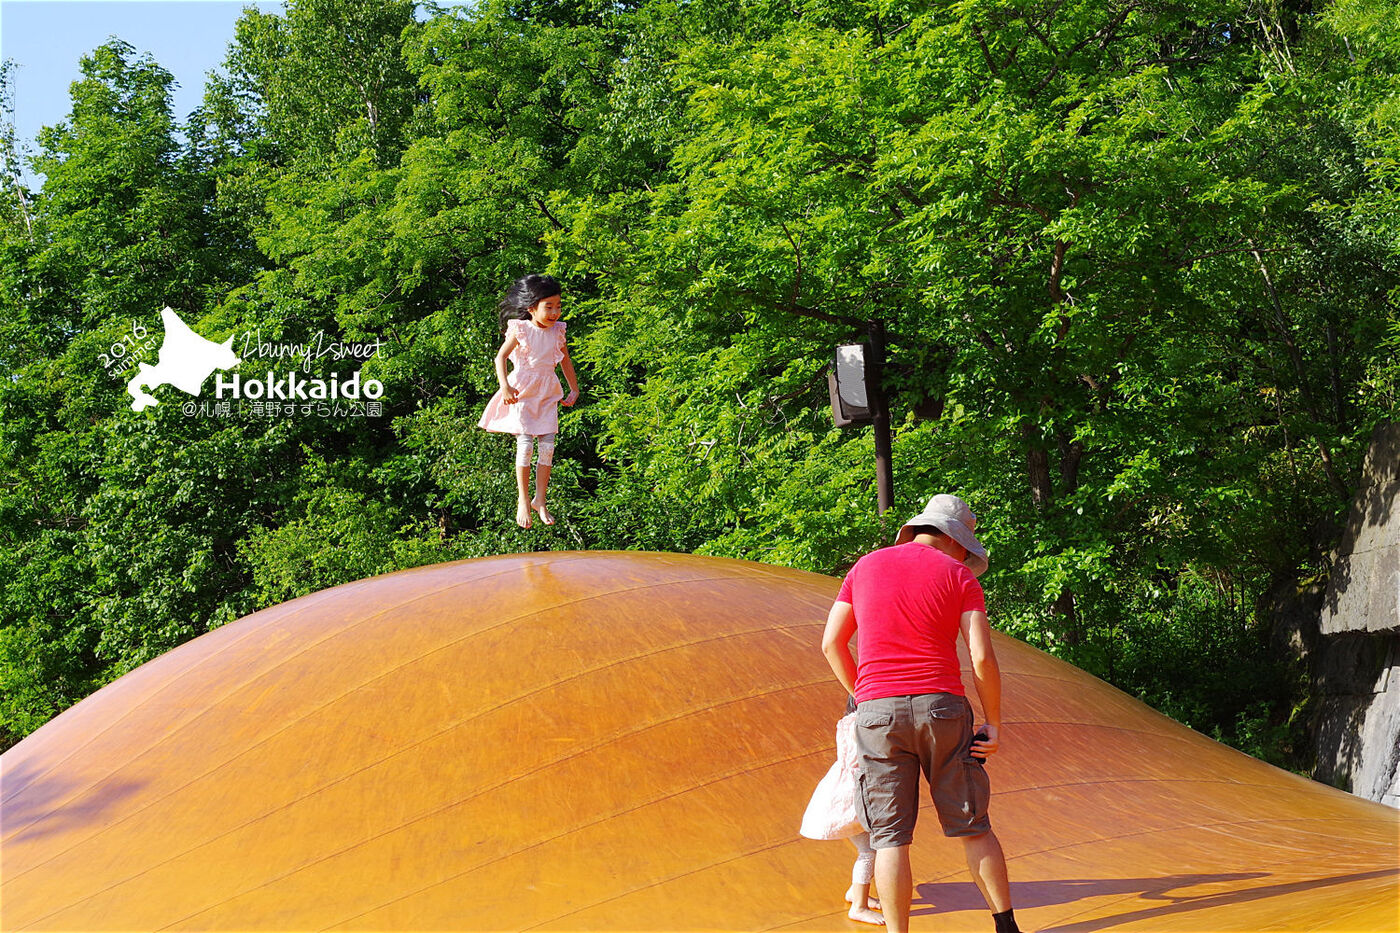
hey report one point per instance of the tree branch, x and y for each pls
(545, 210)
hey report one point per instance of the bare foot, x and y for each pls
(853, 891)
(522, 514)
(545, 515)
(866, 915)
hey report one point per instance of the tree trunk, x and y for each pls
(1042, 491)
(1037, 467)
(1064, 607)
(1071, 452)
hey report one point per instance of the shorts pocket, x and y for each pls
(874, 718)
(979, 786)
(862, 803)
(948, 706)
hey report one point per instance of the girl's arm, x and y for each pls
(568, 365)
(508, 393)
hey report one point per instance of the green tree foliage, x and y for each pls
(1136, 262)
(1117, 249)
(1358, 40)
(326, 81)
(111, 555)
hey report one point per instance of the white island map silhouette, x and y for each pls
(185, 361)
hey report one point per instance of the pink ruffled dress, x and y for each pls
(538, 350)
(833, 811)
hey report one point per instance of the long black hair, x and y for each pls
(523, 294)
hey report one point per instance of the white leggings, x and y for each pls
(863, 872)
(522, 449)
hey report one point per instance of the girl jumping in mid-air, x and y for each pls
(527, 403)
(831, 814)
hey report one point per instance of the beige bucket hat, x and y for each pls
(953, 517)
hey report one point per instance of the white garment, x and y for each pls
(833, 811)
(863, 871)
(522, 449)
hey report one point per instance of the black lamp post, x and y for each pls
(880, 415)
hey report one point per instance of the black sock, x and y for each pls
(1006, 922)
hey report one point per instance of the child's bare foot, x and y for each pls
(866, 915)
(545, 515)
(522, 514)
(854, 891)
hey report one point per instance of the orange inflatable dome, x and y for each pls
(618, 741)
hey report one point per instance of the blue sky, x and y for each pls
(46, 38)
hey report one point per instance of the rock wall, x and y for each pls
(1355, 660)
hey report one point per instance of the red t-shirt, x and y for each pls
(908, 602)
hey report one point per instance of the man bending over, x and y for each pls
(907, 605)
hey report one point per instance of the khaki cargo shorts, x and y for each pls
(898, 737)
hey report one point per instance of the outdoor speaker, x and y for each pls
(846, 381)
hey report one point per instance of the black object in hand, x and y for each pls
(980, 759)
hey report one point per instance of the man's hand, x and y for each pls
(986, 677)
(985, 748)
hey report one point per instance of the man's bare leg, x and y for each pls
(988, 866)
(895, 881)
